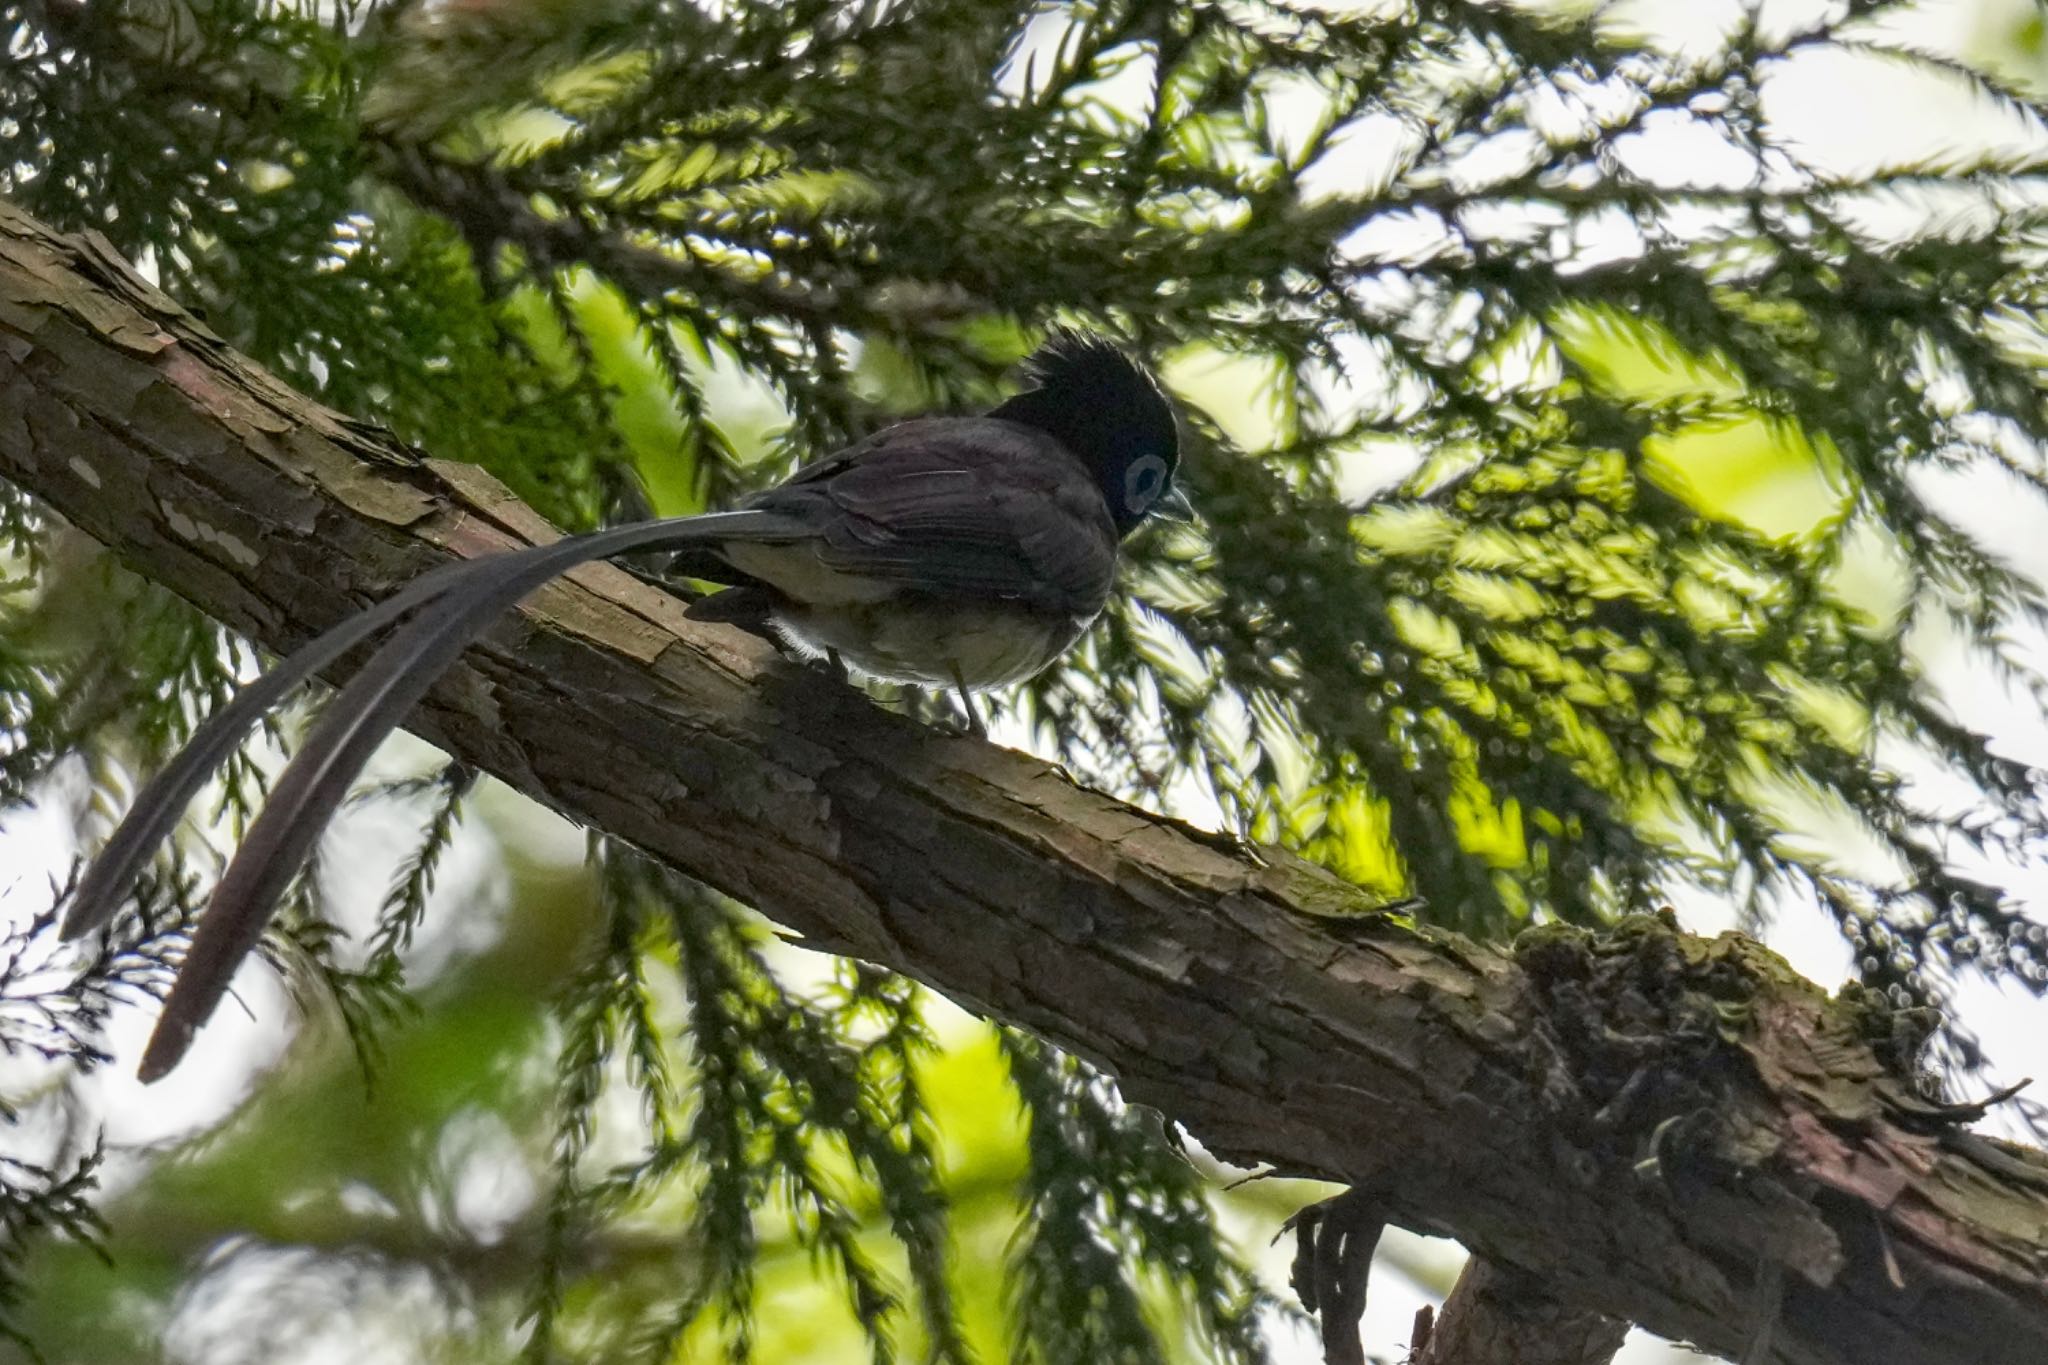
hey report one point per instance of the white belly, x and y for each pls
(933, 644)
(872, 626)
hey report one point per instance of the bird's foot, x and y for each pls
(975, 727)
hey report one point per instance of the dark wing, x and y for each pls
(704, 561)
(959, 507)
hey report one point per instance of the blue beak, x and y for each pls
(1174, 507)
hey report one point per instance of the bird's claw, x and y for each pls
(975, 726)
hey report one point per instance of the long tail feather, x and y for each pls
(164, 798)
(368, 709)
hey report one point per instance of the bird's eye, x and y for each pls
(1144, 481)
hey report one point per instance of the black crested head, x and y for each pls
(1107, 409)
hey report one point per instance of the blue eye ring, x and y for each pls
(1144, 480)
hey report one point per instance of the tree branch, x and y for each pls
(1505, 1317)
(1664, 1129)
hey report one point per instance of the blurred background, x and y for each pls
(1616, 430)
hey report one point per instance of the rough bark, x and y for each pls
(1656, 1127)
(1496, 1316)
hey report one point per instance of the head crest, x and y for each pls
(1109, 411)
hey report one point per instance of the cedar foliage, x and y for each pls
(1456, 623)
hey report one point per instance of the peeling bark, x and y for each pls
(1658, 1128)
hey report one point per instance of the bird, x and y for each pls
(949, 552)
